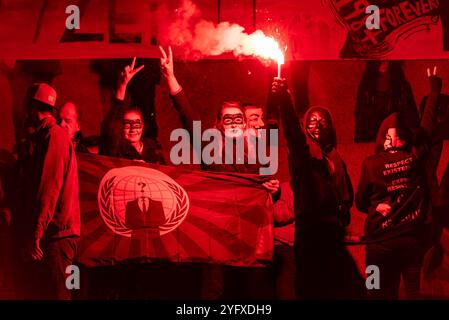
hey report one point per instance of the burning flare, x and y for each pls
(197, 37)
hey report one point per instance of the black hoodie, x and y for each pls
(320, 182)
(398, 178)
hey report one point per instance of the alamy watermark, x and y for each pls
(373, 21)
(72, 282)
(373, 279)
(73, 20)
(213, 147)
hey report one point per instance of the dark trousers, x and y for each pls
(46, 279)
(225, 282)
(394, 263)
(324, 268)
(212, 282)
(284, 269)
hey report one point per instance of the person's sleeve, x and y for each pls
(441, 206)
(186, 113)
(109, 132)
(411, 110)
(350, 201)
(280, 105)
(362, 196)
(429, 117)
(283, 211)
(296, 139)
(53, 174)
(422, 105)
(118, 106)
(273, 117)
(424, 136)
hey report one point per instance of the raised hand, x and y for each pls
(125, 77)
(167, 62)
(129, 72)
(436, 83)
(167, 70)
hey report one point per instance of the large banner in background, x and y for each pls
(398, 20)
(131, 211)
(312, 30)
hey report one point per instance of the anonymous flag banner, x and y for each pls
(135, 212)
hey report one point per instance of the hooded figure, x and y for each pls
(394, 176)
(323, 196)
(332, 189)
(393, 191)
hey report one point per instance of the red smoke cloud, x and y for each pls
(195, 37)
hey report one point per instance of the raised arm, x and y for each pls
(186, 113)
(429, 117)
(279, 100)
(125, 77)
(425, 136)
(118, 102)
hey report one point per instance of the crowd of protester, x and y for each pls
(406, 207)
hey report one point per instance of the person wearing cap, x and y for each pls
(48, 222)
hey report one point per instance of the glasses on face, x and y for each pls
(232, 119)
(132, 124)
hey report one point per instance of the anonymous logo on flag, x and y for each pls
(135, 199)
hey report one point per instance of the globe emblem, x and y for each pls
(132, 187)
(122, 186)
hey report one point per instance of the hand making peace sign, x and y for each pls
(129, 72)
(166, 62)
(436, 83)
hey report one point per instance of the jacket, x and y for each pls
(151, 152)
(398, 179)
(50, 184)
(322, 196)
(284, 217)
